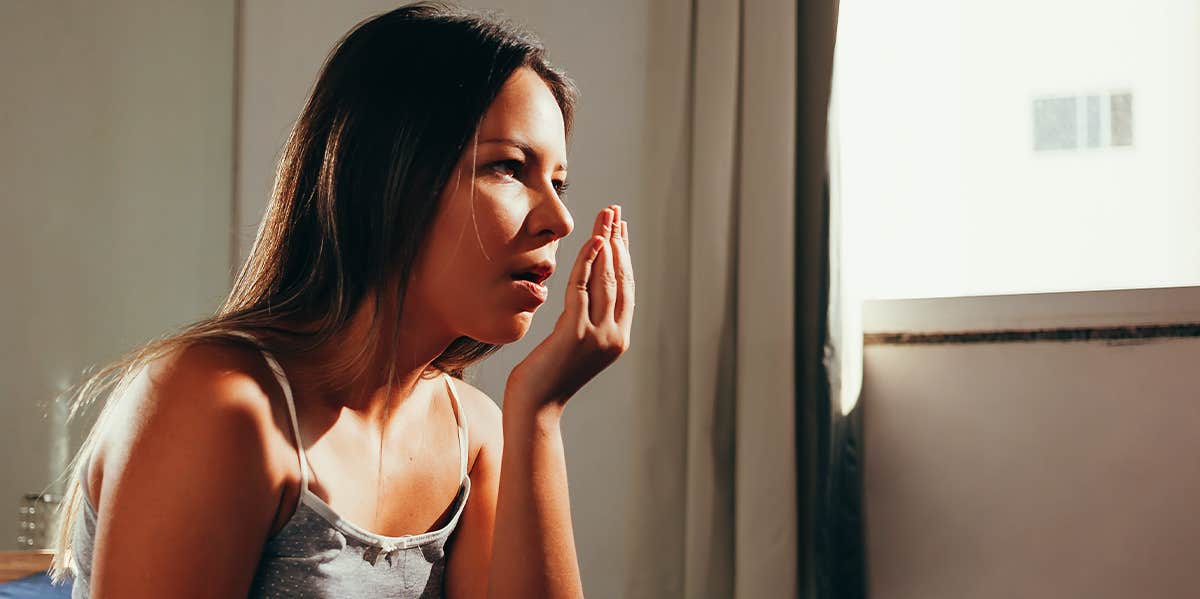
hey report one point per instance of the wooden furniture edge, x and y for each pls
(19, 564)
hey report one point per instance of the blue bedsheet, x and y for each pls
(36, 586)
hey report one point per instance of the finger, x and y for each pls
(616, 243)
(625, 232)
(615, 229)
(576, 304)
(602, 286)
(623, 264)
(604, 221)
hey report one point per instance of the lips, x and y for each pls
(535, 273)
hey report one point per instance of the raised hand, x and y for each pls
(593, 330)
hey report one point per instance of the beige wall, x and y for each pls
(1044, 469)
(119, 161)
(115, 156)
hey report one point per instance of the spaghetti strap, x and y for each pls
(461, 417)
(291, 406)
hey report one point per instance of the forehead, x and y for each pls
(525, 110)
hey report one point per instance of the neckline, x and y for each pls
(327, 513)
(456, 407)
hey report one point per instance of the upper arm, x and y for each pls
(469, 554)
(188, 497)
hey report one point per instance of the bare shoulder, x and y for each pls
(484, 421)
(226, 377)
(200, 395)
(187, 456)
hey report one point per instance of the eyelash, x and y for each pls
(512, 168)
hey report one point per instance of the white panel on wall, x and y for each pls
(1032, 469)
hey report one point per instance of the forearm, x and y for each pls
(533, 548)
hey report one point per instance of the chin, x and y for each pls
(505, 330)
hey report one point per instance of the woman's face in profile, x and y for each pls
(499, 219)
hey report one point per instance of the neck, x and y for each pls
(350, 372)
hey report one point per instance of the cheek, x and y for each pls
(492, 219)
(475, 234)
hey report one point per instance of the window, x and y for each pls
(1017, 147)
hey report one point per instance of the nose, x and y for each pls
(550, 216)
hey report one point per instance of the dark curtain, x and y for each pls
(832, 556)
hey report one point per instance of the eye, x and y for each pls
(561, 188)
(507, 168)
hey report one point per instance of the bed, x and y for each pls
(23, 576)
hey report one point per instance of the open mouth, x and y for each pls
(529, 283)
(535, 275)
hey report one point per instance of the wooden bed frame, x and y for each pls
(19, 564)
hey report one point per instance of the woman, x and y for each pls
(312, 439)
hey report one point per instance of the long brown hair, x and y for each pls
(395, 105)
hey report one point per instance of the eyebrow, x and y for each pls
(524, 147)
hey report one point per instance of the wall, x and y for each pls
(1047, 469)
(629, 59)
(116, 162)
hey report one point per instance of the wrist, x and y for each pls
(522, 405)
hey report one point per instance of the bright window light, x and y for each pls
(1023, 146)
